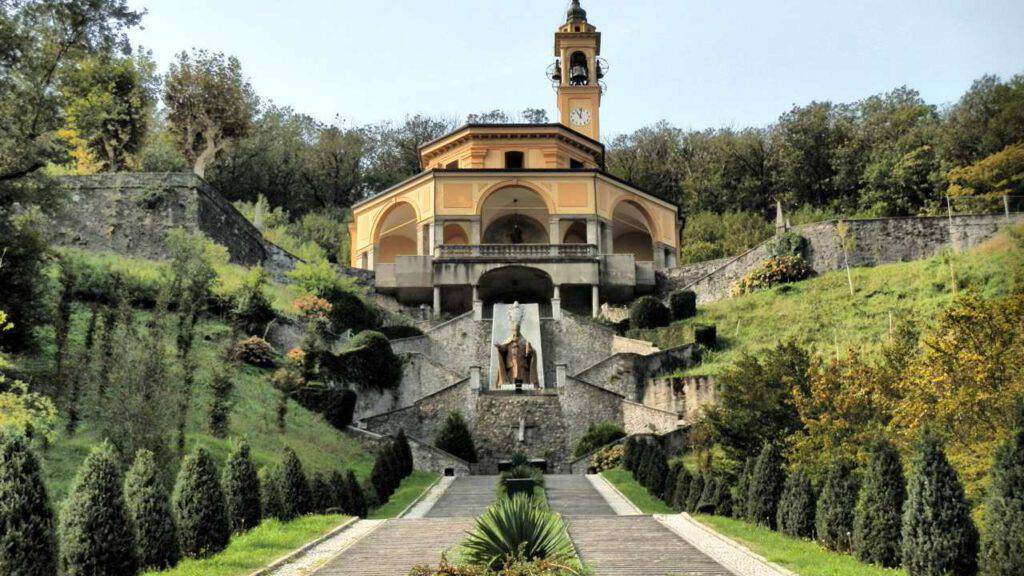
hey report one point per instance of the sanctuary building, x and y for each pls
(520, 212)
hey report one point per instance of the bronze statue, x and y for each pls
(517, 360)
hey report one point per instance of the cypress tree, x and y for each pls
(199, 507)
(797, 506)
(657, 472)
(242, 490)
(295, 495)
(682, 490)
(834, 517)
(454, 438)
(156, 537)
(629, 453)
(96, 534)
(321, 493)
(28, 546)
(766, 484)
(939, 536)
(878, 516)
(396, 464)
(405, 452)
(271, 503)
(670, 482)
(339, 492)
(356, 499)
(1003, 547)
(739, 500)
(694, 493)
(708, 496)
(723, 498)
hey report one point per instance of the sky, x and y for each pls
(694, 63)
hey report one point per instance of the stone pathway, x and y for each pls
(619, 503)
(421, 508)
(396, 547)
(574, 495)
(321, 553)
(466, 497)
(728, 553)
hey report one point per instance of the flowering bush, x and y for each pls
(772, 272)
(256, 351)
(608, 458)
(296, 357)
(312, 307)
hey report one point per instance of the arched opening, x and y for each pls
(578, 72)
(516, 284)
(515, 160)
(455, 235)
(576, 233)
(631, 232)
(396, 234)
(515, 215)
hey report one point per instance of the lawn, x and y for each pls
(637, 494)
(804, 557)
(408, 492)
(821, 314)
(255, 549)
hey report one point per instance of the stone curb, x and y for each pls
(299, 552)
(736, 548)
(421, 496)
(636, 510)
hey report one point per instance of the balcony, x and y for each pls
(518, 252)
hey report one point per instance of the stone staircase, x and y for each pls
(397, 546)
(575, 496)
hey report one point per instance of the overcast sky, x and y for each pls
(694, 63)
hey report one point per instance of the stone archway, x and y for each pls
(632, 232)
(396, 234)
(515, 215)
(521, 284)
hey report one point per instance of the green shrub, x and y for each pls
(242, 490)
(22, 283)
(156, 537)
(657, 472)
(836, 504)
(367, 361)
(939, 536)
(879, 511)
(28, 546)
(454, 438)
(669, 493)
(681, 493)
(404, 452)
(797, 506)
(695, 491)
(766, 484)
(598, 434)
(683, 304)
(708, 496)
(648, 312)
(199, 507)
(96, 535)
(251, 308)
(742, 492)
(518, 527)
(608, 458)
(519, 472)
(723, 497)
(336, 405)
(349, 312)
(295, 496)
(630, 454)
(320, 492)
(1003, 547)
(356, 499)
(271, 501)
(773, 272)
(705, 335)
(788, 243)
(710, 235)
(255, 351)
(339, 491)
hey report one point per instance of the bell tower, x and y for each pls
(577, 73)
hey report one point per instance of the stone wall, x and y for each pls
(584, 403)
(639, 419)
(424, 418)
(425, 456)
(496, 430)
(686, 396)
(421, 377)
(875, 241)
(674, 278)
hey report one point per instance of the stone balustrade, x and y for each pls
(516, 251)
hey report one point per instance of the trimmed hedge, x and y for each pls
(200, 508)
(683, 304)
(648, 312)
(155, 534)
(879, 511)
(454, 438)
(834, 516)
(242, 490)
(28, 544)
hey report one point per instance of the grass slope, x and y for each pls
(637, 494)
(821, 314)
(804, 557)
(408, 492)
(257, 548)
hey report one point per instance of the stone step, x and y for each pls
(574, 495)
(397, 546)
(467, 497)
(637, 546)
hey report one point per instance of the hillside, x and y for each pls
(821, 314)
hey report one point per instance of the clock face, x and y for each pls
(579, 116)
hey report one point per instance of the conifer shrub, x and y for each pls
(939, 536)
(834, 515)
(296, 498)
(682, 490)
(320, 492)
(878, 516)
(766, 483)
(797, 506)
(657, 471)
(740, 495)
(694, 493)
(404, 453)
(339, 492)
(1003, 546)
(28, 544)
(723, 498)
(242, 490)
(156, 537)
(384, 476)
(648, 312)
(669, 494)
(349, 312)
(96, 535)
(630, 453)
(643, 471)
(454, 438)
(199, 507)
(356, 500)
(598, 434)
(683, 304)
(271, 501)
(708, 496)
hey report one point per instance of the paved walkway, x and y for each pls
(730, 554)
(324, 551)
(398, 546)
(467, 497)
(619, 503)
(574, 495)
(421, 508)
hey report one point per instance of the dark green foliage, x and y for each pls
(385, 476)
(22, 285)
(630, 454)
(199, 507)
(251, 309)
(705, 336)
(786, 244)
(939, 536)
(657, 472)
(643, 467)
(597, 435)
(694, 493)
(349, 312)
(683, 304)
(221, 388)
(454, 438)
(741, 495)
(356, 502)
(366, 362)
(517, 527)
(320, 491)
(28, 545)
(766, 483)
(1003, 546)
(156, 537)
(96, 534)
(836, 503)
(271, 502)
(879, 511)
(295, 495)
(669, 494)
(404, 452)
(399, 332)
(648, 312)
(708, 496)
(682, 490)
(242, 490)
(723, 498)
(797, 506)
(336, 405)
(339, 491)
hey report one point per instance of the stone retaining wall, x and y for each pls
(425, 456)
(686, 396)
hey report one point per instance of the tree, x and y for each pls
(650, 159)
(393, 153)
(27, 543)
(383, 475)
(454, 438)
(210, 104)
(834, 518)
(939, 536)
(797, 506)
(200, 508)
(766, 483)
(694, 493)
(271, 501)
(320, 493)
(879, 511)
(155, 534)
(709, 496)
(295, 494)
(723, 497)
(339, 492)
(658, 472)
(1002, 548)
(23, 249)
(356, 499)
(682, 490)
(669, 493)
(221, 388)
(241, 484)
(96, 533)
(741, 497)
(404, 452)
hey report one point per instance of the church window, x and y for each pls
(575, 164)
(514, 160)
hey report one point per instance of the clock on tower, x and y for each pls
(577, 73)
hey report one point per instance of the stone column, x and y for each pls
(371, 257)
(434, 237)
(595, 296)
(474, 231)
(421, 245)
(478, 305)
(556, 304)
(437, 301)
(659, 257)
(593, 237)
(554, 231)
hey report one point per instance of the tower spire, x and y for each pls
(576, 13)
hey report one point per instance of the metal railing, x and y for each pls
(517, 251)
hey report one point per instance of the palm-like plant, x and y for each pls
(518, 528)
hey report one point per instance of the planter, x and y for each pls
(515, 486)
